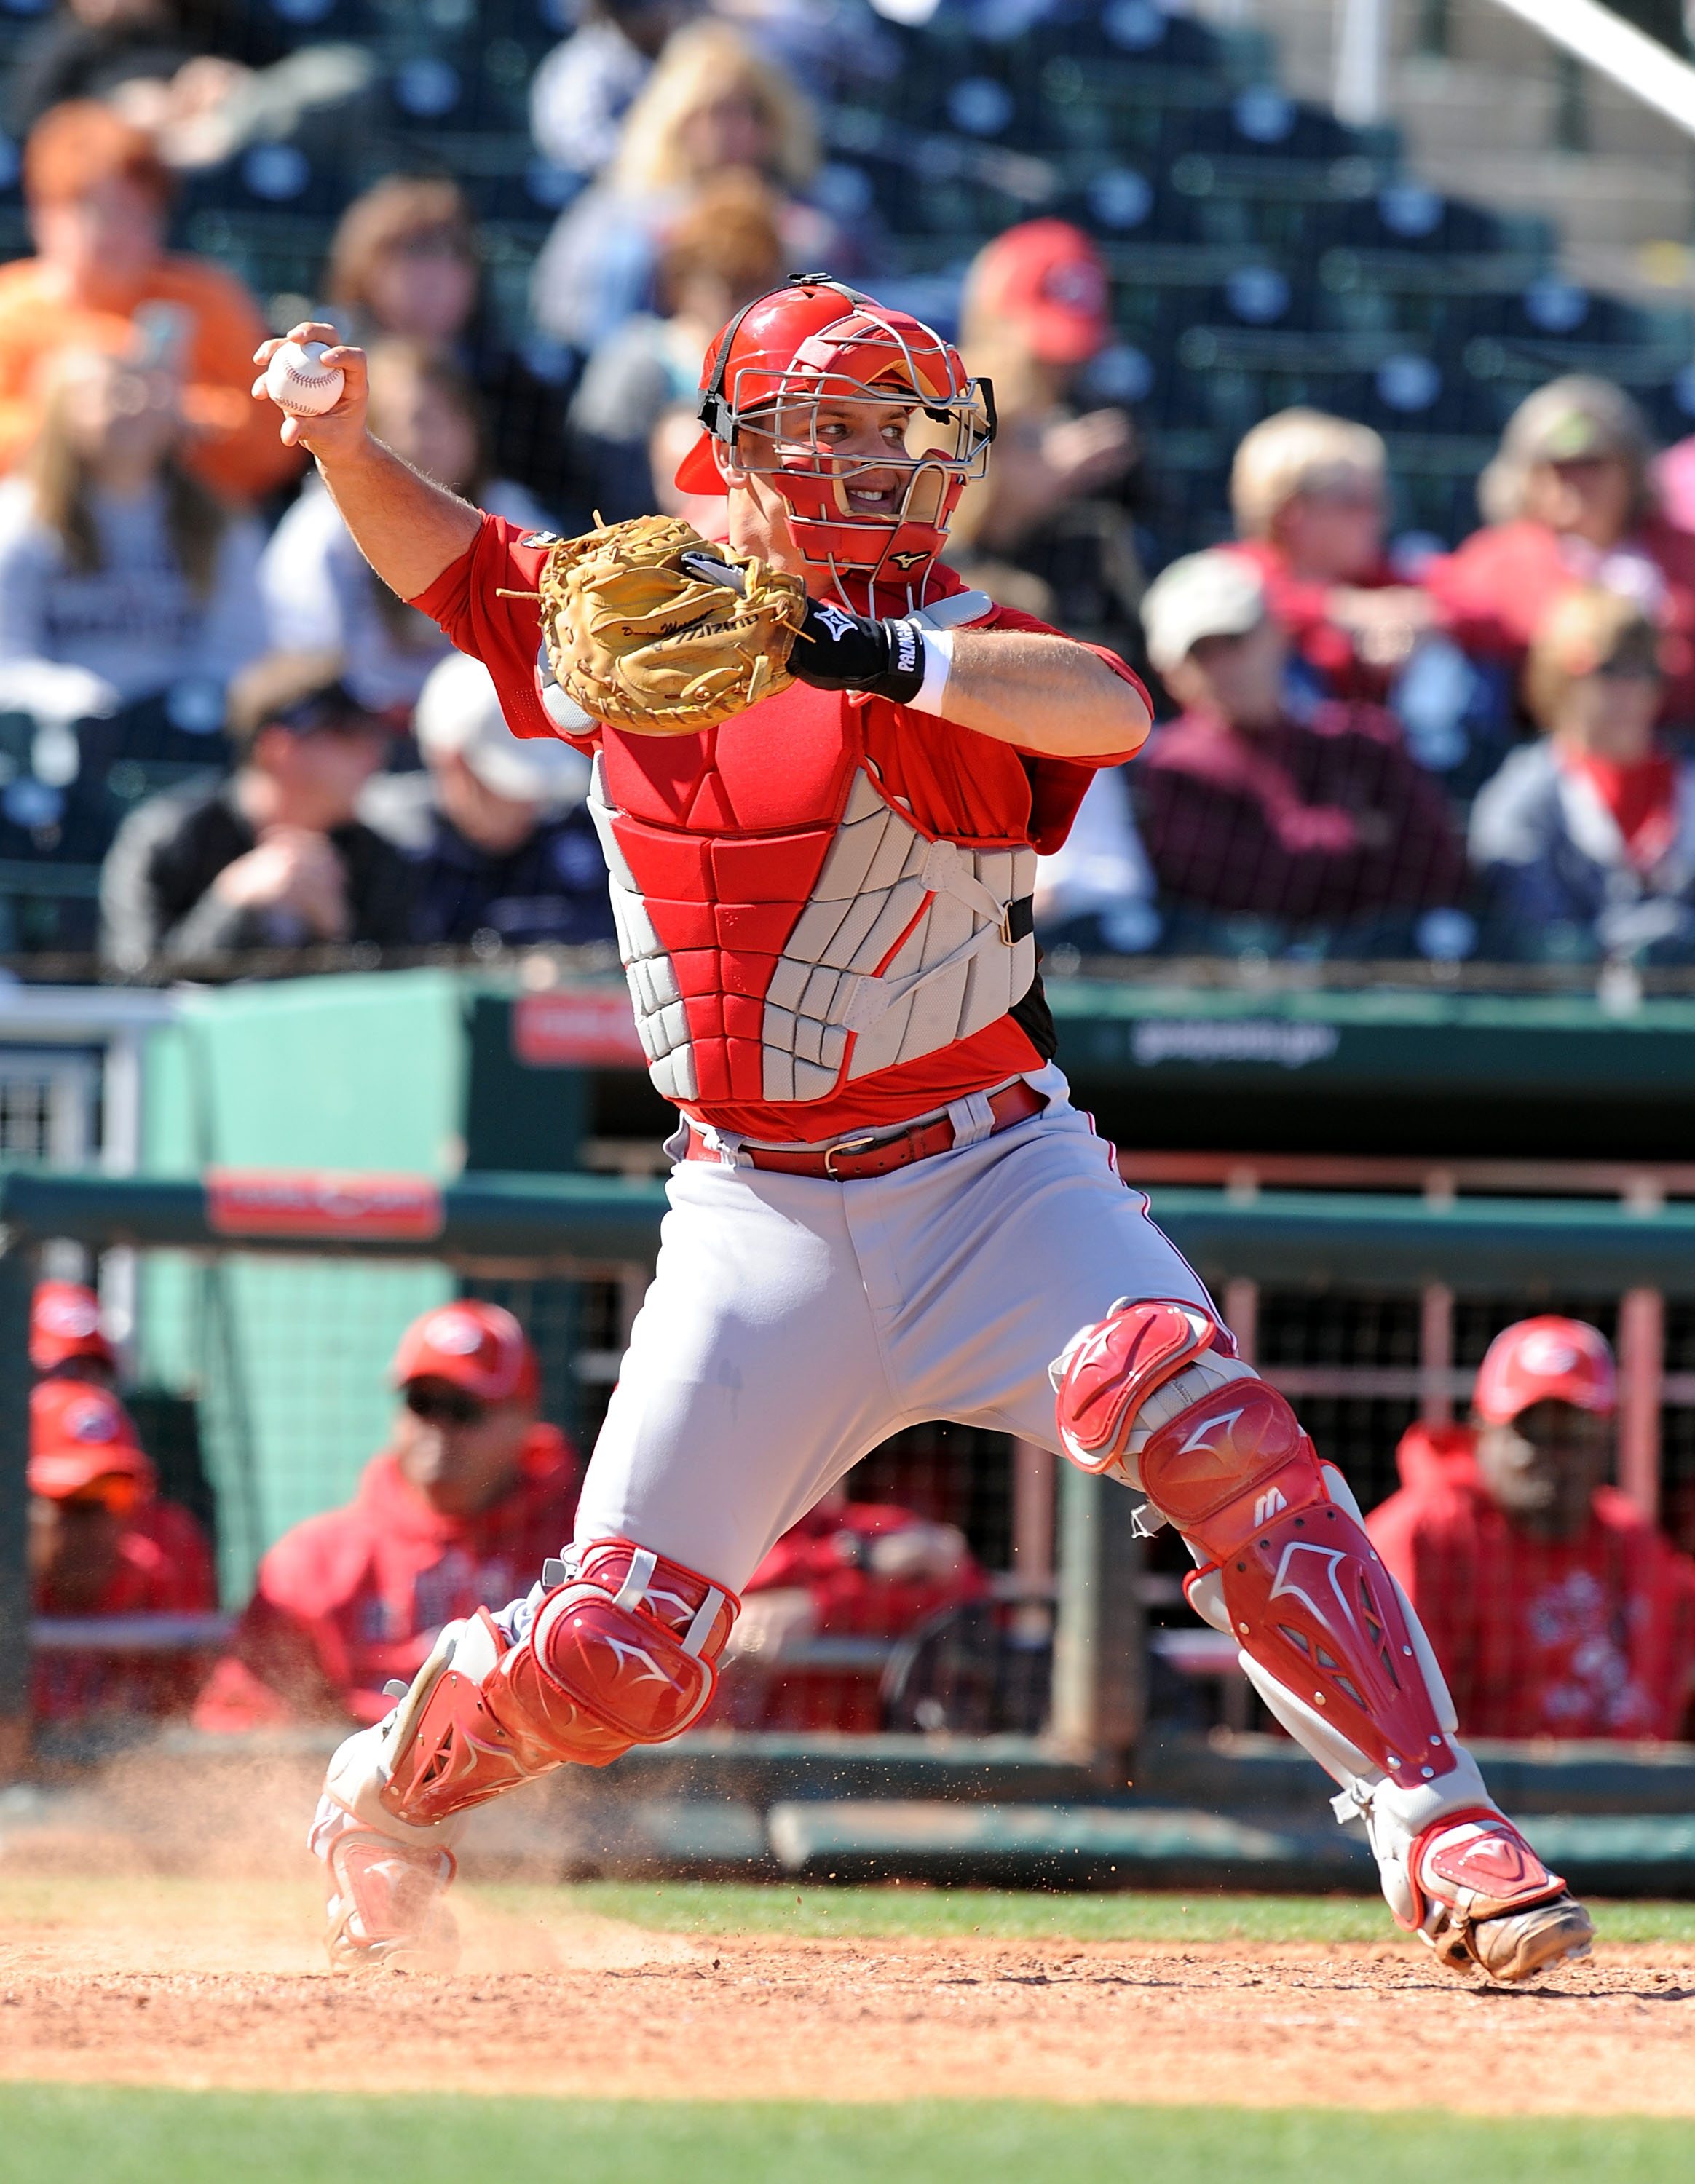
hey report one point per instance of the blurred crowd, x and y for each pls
(1368, 745)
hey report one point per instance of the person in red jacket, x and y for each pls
(1555, 1608)
(102, 1544)
(472, 1494)
(848, 1569)
(1569, 501)
(66, 1342)
(1251, 804)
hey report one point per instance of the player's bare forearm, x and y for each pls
(407, 527)
(1042, 692)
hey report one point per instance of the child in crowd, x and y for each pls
(120, 573)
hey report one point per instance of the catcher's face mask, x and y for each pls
(864, 420)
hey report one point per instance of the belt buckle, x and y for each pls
(845, 1145)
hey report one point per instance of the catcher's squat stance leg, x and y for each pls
(619, 1650)
(1149, 1396)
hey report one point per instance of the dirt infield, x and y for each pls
(200, 1983)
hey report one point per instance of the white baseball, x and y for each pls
(297, 380)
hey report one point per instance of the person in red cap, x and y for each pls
(472, 1495)
(1049, 529)
(66, 1342)
(884, 1206)
(1555, 1608)
(103, 1543)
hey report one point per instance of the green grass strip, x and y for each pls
(808, 1911)
(67, 2134)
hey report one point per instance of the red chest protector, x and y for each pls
(786, 925)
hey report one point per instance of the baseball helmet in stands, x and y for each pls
(64, 1322)
(479, 1347)
(1536, 1359)
(767, 387)
(80, 1434)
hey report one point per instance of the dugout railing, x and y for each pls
(574, 1231)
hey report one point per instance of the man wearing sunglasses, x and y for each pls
(1556, 1608)
(102, 1543)
(274, 857)
(472, 1494)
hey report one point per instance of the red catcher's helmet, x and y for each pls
(785, 359)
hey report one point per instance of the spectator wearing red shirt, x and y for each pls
(1249, 806)
(1555, 1608)
(101, 1544)
(1569, 501)
(1310, 497)
(848, 1569)
(459, 1512)
(66, 1342)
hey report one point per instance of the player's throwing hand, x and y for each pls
(339, 429)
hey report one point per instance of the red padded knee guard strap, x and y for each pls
(621, 1654)
(1307, 1596)
(1108, 1371)
(627, 1648)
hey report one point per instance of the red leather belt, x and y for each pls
(850, 1160)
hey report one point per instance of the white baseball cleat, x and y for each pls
(1488, 1900)
(386, 1911)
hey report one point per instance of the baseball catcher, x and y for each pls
(822, 773)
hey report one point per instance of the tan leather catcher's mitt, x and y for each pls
(642, 636)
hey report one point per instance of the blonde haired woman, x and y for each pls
(1569, 500)
(121, 574)
(712, 106)
(1310, 495)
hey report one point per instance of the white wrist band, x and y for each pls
(937, 667)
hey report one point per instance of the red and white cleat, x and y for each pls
(386, 1910)
(1487, 1899)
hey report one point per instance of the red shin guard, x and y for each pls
(1308, 1597)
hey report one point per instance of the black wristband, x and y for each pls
(836, 650)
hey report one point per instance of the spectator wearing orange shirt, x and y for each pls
(98, 196)
(102, 1544)
(1554, 1607)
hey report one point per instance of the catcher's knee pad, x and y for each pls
(621, 1653)
(1119, 1379)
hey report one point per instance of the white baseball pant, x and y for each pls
(794, 1323)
